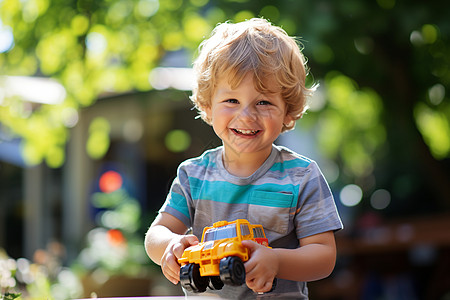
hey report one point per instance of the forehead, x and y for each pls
(263, 84)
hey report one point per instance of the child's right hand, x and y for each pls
(169, 261)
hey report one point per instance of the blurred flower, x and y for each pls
(45, 278)
(8, 269)
(115, 237)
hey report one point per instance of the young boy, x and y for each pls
(250, 86)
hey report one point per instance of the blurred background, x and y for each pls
(95, 118)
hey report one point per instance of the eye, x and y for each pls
(231, 101)
(263, 102)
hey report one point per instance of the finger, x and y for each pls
(170, 275)
(191, 240)
(257, 287)
(266, 287)
(261, 286)
(249, 266)
(185, 242)
(171, 268)
(178, 250)
(250, 245)
(172, 264)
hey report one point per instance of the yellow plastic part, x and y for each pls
(209, 253)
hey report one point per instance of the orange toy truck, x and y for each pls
(219, 258)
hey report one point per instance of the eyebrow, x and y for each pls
(225, 92)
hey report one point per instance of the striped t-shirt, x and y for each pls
(288, 195)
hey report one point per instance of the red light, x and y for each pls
(115, 237)
(110, 181)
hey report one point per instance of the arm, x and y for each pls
(165, 242)
(313, 260)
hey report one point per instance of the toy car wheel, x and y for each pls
(191, 279)
(215, 283)
(232, 270)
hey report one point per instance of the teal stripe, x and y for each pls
(206, 160)
(291, 164)
(225, 192)
(219, 191)
(271, 199)
(179, 203)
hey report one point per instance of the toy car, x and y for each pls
(219, 258)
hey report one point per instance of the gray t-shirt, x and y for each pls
(288, 195)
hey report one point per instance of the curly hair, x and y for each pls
(255, 46)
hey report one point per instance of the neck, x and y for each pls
(244, 164)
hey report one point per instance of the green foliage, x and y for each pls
(91, 47)
(350, 127)
(98, 140)
(435, 128)
(11, 296)
(390, 97)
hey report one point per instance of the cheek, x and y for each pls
(219, 120)
(222, 114)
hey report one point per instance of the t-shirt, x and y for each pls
(288, 195)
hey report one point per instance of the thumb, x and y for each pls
(190, 240)
(185, 242)
(250, 245)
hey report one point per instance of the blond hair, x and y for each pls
(254, 46)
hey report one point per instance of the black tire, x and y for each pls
(191, 280)
(232, 271)
(215, 283)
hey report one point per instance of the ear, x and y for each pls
(207, 113)
(288, 119)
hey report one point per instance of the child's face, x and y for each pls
(244, 119)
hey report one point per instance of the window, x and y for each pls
(244, 229)
(258, 232)
(219, 233)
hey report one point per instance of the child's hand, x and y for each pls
(169, 261)
(261, 268)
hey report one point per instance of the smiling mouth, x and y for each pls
(246, 132)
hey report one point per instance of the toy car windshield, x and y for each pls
(224, 232)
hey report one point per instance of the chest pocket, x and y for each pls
(270, 209)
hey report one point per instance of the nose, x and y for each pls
(248, 113)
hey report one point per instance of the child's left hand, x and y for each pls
(261, 268)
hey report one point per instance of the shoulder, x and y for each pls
(290, 159)
(201, 163)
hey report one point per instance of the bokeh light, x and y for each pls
(380, 199)
(70, 117)
(147, 8)
(6, 38)
(351, 195)
(98, 141)
(178, 140)
(436, 94)
(133, 130)
(110, 181)
(96, 43)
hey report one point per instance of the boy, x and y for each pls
(250, 87)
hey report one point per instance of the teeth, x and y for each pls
(246, 131)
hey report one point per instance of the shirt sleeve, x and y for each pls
(178, 198)
(316, 209)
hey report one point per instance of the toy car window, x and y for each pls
(219, 233)
(244, 229)
(257, 232)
